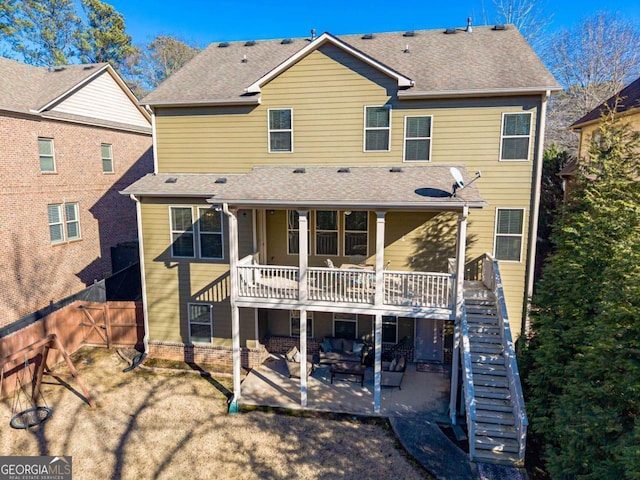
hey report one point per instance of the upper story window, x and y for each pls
(417, 138)
(182, 238)
(207, 229)
(47, 159)
(355, 233)
(107, 158)
(509, 234)
(210, 233)
(64, 222)
(327, 232)
(280, 130)
(377, 128)
(516, 134)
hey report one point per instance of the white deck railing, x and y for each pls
(418, 289)
(342, 285)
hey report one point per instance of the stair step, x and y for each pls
(490, 348)
(480, 300)
(494, 404)
(496, 430)
(495, 380)
(482, 319)
(485, 338)
(486, 358)
(491, 392)
(481, 310)
(489, 416)
(488, 329)
(499, 444)
(488, 369)
(502, 458)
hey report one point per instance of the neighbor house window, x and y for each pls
(280, 130)
(417, 138)
(64, 222)
(182, 238)
(345, 325)
(295, 323)
(327, 232)
(355, 233)
(200, 323)
(377, 128)
(389, 329)
(509, 234)
(47, 160)
(107, 158)
(210, 233)
(516, 132)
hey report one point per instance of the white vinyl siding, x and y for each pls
(295, 323)
(107, 158)
(280, 130)
(200, 323)
(516, 136)
(509, 234)
(377, 128)
(417, 138)
(64, 222)
(356, 233)
(47, 158)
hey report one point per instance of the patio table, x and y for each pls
(348, 368)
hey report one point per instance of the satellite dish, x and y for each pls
(457, 176)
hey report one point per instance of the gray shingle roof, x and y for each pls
(25, 88)
(626, 99)
(485, 60)
(420, 187)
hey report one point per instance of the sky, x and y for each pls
(201, 22)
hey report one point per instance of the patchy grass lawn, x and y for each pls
(167, 426)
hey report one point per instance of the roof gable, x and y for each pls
(326, 38)
(625, 100)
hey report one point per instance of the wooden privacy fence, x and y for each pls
(109, 324)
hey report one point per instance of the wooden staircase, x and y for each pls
(496, 438)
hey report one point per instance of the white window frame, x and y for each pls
(528, 136)
(53, 156)
(345, 317)
(110, 158)
(279, 130)
(430, 138)
(345, 231)
(210, 324)
(317, 230)
(396, 324)
(364, 137)
(200, 233)
(64, 222)
(292, 229)
(295, 315)
(521, 235)
(172, 231)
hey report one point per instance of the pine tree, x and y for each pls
(582, 364)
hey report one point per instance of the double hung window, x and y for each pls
(417, 138)
(516, 133)
(47, 159)
(200, 323)
(509, 234)
(64, 222)
(280, 130)
(377, 128)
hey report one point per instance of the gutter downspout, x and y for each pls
(535, 211)
(143, 279)
(154, 140)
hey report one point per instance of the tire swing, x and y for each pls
(27, 411)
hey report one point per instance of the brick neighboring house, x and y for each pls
(70, 138)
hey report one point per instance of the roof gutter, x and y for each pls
(491, 92)
(457, 205)
(239, 101)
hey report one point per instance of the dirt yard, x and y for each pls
(150, 425)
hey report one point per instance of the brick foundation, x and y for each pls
(211, 354)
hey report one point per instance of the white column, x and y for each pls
(459, 289)
(235, 311)
(379, 300)
(303, 294)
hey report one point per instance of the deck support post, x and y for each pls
(235, 311)
(379, 300)
(303, 227)
(460, 260)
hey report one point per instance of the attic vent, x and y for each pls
(499, 27)
(171, 180)
(223, 44)
(221, 180)
(450, 31)
(367, 36)
(344, 170)
(410, 33)
(395, 170)
(286, 41)
(250, 43)
(299, 170)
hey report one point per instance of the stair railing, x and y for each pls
(469, 390)
(513, 375)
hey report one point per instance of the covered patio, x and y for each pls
(421, 391)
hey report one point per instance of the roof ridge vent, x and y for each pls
(500, 27)
(300, 170)
(286, 41)
(223, 44)
(344, 170)
(395, 170)
(409, 33)
(249, 43)
(450, 31)
(367, 36)
(171, 180)
(221, 180)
